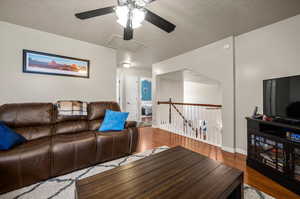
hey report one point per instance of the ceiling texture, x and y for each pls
(199, 22)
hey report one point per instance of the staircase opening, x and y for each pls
(190, 104)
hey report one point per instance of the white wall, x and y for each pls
(168, 89)
(16, 86)
(268, 52)
(215, 62)
(200, 93)
(139, 72)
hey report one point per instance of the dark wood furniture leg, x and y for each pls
(238, 192)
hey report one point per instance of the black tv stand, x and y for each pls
(273, 153)
(287, 121)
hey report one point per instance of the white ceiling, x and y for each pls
(199, 22)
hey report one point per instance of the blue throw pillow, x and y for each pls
(114, 121)
(8, 138)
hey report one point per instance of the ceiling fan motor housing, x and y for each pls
(133, 3)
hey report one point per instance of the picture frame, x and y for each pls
(52, 64)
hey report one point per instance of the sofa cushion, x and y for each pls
(130, 124)
(96, 110)
(25, 164)
(72, 151)
(35, 132)
(9, 138)
(114, 121)
(111, 145)
(94, 125)
(27, 114)
(71, 127)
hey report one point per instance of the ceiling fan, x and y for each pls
(130, 13)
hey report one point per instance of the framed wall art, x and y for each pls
(50, 64)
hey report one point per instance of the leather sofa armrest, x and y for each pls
(130, 124)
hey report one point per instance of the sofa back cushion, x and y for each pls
(96, 110)
(71, 127)
(32, 120)
(37, 120)
(35, 132)
(65, 124)
(96, 113)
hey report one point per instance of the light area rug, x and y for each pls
(63, 187)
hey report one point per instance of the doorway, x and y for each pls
(146, 100)
(134, 93)
(132, 97)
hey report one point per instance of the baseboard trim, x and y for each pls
(228, 149)
(224, 148)
(234, 150)
(241, 151)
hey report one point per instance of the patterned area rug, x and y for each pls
(63, 187)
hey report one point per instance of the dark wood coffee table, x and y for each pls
(174, 173)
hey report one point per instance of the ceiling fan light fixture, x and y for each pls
(122, 12)
(126, 65)
(141, 3)
(122, 2)
(138, 16)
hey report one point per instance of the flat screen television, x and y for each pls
(282, 98)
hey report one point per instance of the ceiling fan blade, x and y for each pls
(95, 13)
(150, 1)
(159, 22)
(128, 33)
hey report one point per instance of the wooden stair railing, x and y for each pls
(186, 122)
(189, 104)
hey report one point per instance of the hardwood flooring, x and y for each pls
(151, 137)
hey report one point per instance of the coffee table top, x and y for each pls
(174, 173)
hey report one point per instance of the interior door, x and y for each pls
(132, 97)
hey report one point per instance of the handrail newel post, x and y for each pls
(170, 111)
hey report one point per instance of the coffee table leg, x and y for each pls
(238, 192)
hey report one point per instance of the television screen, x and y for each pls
(282, 97)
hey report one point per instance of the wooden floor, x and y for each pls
(150, 138)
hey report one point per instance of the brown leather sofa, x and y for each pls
(58, 144)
